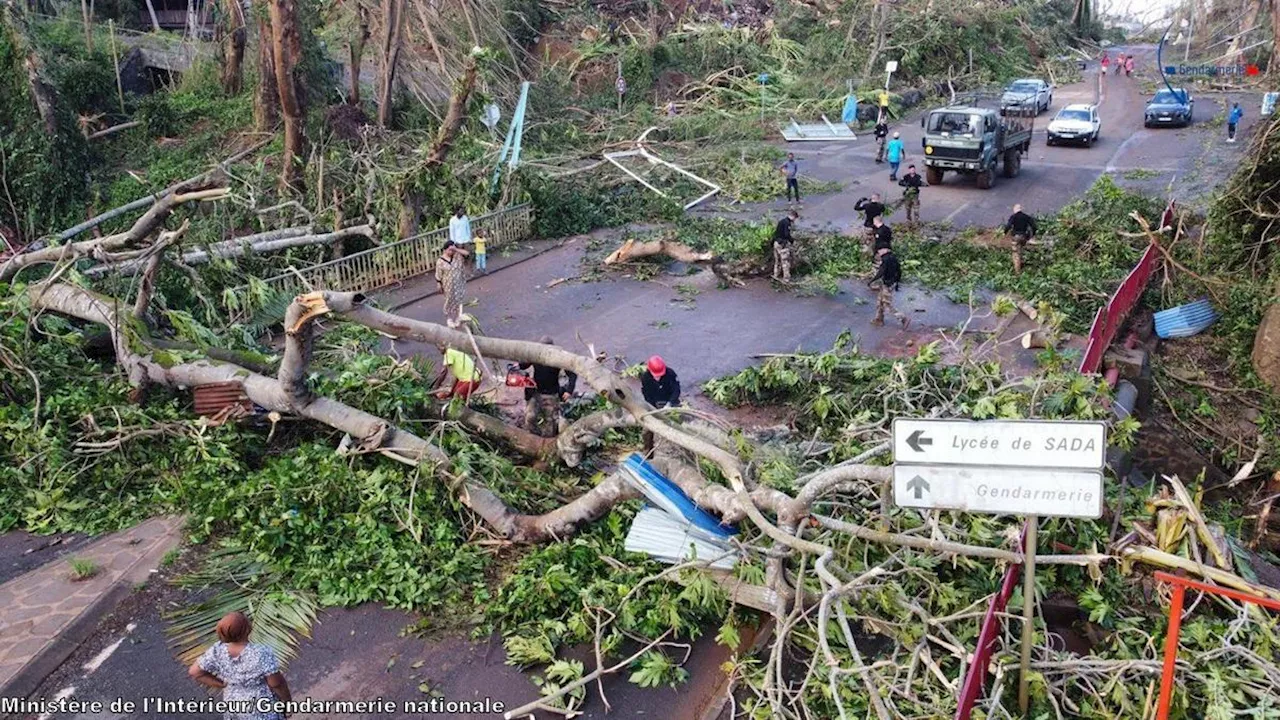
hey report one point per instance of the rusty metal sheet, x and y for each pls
(222, 399)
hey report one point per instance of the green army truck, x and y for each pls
(970, 140)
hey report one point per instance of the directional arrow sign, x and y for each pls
(1002, 491)
(1004, 443)
(918, 485)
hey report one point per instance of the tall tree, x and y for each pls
(286, 49)
(359, 36)
(42, 93)
(392, 32)
(233, 47)
(1273, 67)
(266, 103)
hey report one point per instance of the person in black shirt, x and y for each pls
(911, 195)
(883, 235)
(889, 275)
(871, 209)
(660, 387)
(881, 132)
(782, 247)
(542, 401)
(659, 384)
(1023, 227)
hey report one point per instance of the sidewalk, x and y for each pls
(45, 615)
(424, 286)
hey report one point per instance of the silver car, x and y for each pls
(1032, 92)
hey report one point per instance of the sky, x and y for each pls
(1146, 10)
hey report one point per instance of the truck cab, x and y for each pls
(970, 140)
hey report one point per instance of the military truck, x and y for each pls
(970, 140)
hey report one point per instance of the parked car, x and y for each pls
(1028, 91)
(1075, 123)
(1170, 107)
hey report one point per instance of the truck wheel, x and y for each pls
(1012, 163)
(986, 177)
(933, 175)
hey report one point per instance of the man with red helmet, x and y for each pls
(660, 387)
(659, 384)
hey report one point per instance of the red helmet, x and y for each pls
(657, 367)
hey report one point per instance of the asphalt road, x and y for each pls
(1145, 158)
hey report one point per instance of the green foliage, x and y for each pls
(83, 568)
(576, 205)
(524, 19)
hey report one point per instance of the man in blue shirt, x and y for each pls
(895, 151)
(1232, 118)
(791, 170)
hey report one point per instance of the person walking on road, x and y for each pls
(871, 209)
(1023, 227)
(782, 247)
(889, 275)
(1106, 62)
(1233, 119)
(247, 673)
(912, 182)
(895, 152)
(1128, 66)
(660, 388)
(791, 169)
(542, 401)
(882, 135)
(451, 276)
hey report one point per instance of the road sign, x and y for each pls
(1011, 491)
(1054, 444)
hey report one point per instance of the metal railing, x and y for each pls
(403, 259)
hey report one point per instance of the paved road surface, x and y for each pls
(1050, 176)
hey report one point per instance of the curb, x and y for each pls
(56, 651)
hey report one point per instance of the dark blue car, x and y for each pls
(1170, 107)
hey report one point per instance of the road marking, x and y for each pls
(956, 212)
(1111, 166)
(63, 694)
(101, 657)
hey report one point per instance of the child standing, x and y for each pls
(481, 255)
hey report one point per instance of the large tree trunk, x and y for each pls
(266, 105)
(1274, 66)
(358, 38)
(454, 116)
(270, 241)
(286, 45)
(392, 30)
(42, 93)
(233, 48)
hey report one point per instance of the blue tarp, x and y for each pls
(1185, 320)
(665, 495)
(850, 114)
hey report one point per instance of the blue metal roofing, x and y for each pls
(1185, 320)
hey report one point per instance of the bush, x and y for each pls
(572, 206)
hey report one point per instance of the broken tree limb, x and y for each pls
(1220, 557)
(632, 250)
(271, 241)
(142, 228)
(202, 178)
(1152, 556)
(114, 129)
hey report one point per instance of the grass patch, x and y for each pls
(83, 569)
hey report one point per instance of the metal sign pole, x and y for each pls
(1028, 612)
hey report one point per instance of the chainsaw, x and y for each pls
(516, 378)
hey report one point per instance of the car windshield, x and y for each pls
(955, 123)
(1168, 97)
(1024, 87)
(1074, 115)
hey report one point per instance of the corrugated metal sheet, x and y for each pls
(665, 495)
(218, 398)
(812, 132)
(668, 539)
(1185, 320)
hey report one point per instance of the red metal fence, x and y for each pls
(1106, 323)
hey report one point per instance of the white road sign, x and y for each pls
(1061, 444)
(1011, 491)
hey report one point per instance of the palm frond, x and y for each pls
(279, 615)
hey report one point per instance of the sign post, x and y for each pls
(1032, 468)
